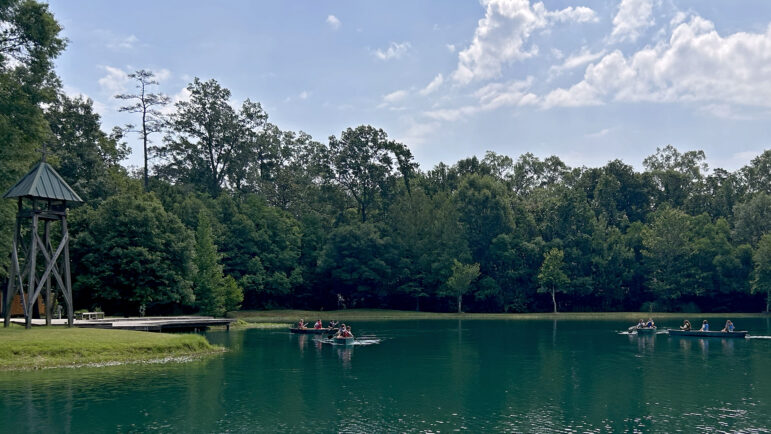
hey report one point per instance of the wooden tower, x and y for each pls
(42, 197)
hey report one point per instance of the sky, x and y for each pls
(589, 81)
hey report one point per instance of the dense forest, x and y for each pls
(233, 212)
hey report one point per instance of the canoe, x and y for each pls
(344, 341)
(646, 331)
(312, 331)
(700, 334)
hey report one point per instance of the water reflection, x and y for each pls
(704, 345)
(646, 343)
(728, 346)
(345, 354)
(301, 341)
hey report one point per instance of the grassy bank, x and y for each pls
(50, 347)
(292, 316)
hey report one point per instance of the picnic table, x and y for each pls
(91, 315)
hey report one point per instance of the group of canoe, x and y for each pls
(649, 328)
(340, 335)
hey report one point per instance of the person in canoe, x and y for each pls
(640, 324)
(340, 331)
(301, 324)
(704, 326)
(729, 326)
(650, 323)
(318, 325)
(686, 326)
(332, 324)
(345, 332)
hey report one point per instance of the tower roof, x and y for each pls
(42, 182)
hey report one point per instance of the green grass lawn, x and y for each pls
(48, 347)
(292, 316)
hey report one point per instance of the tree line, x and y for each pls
(235, 213)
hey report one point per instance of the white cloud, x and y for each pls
(394, 51)
(162, 75)
(596, 135)
(500, 36)
(696, 65)
(491, 97)
(182, 95)
(513, 93)
(126, 43)
(115, 81)
(452, 115)
(333, 22)
(450, 48)
(300, 96)
(395, 96)
(115, 42)
(633, 16)
(433, 86)
(418, 133)
(576, 60)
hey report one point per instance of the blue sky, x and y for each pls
(589, 81)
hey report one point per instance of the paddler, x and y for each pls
(704, 326)
(318, 325)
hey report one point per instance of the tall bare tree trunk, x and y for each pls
(460, 299)
(554, 300)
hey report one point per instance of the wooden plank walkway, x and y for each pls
(147, 324)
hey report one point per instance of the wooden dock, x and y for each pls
(146, 324)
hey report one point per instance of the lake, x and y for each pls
(420, 376)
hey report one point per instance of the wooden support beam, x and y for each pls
(48, 298)
(10, 291)
(32, 270)
(67, 277)
(51, 265)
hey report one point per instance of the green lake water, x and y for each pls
(420, 376)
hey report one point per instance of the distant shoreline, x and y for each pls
(292, 316)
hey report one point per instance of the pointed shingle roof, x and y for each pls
(42, 182)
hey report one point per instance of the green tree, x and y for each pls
(133, 253)
(146, 104)
(756, 176)
(364, 163)
(261, 249)
(88, 158)
(761, 279)
(215, 294)
(425, 232)
(551, 277)
(485, 212)
(210, 143)
(355, 261)
(676, 176)
(459, 283)
(752, 218)
(670, 257)
(611, 264)
(29, 42)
